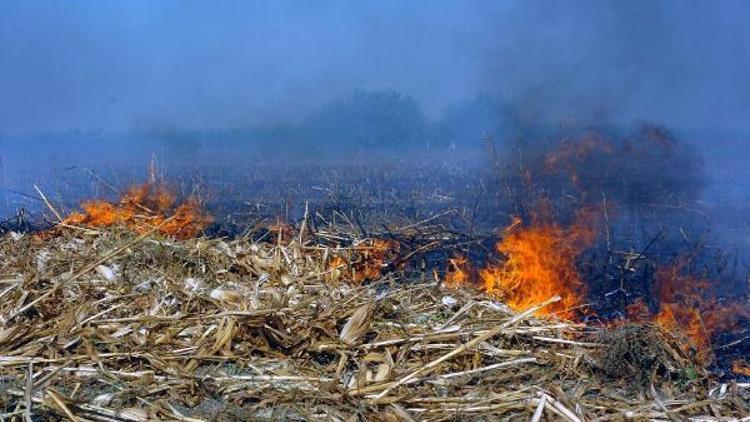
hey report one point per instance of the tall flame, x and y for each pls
(540, 263)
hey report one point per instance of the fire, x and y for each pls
(364, 262)
(540, 263)
(458, 272)
(686, 309)
(638, 311)
(681, 303)
(540, 256)
(687, 322)
(143, 208)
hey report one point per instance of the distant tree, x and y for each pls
(367, 119)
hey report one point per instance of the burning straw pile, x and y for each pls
(121, 325)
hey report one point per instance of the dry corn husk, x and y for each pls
(216, 334)
(357, 325)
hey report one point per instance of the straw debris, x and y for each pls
(637, 354)
(108, 325)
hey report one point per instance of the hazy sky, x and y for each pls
(188, 64)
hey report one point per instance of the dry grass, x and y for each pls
(104, 325)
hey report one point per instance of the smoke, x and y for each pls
(679, 63)
(155, 65)
(104, 85)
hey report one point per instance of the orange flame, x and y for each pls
(458, 272)
(365, 262)
(141, 209)
(540, 263)
(687, 322)
(684, 309)
(637, 311)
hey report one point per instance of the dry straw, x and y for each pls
(109, 326)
